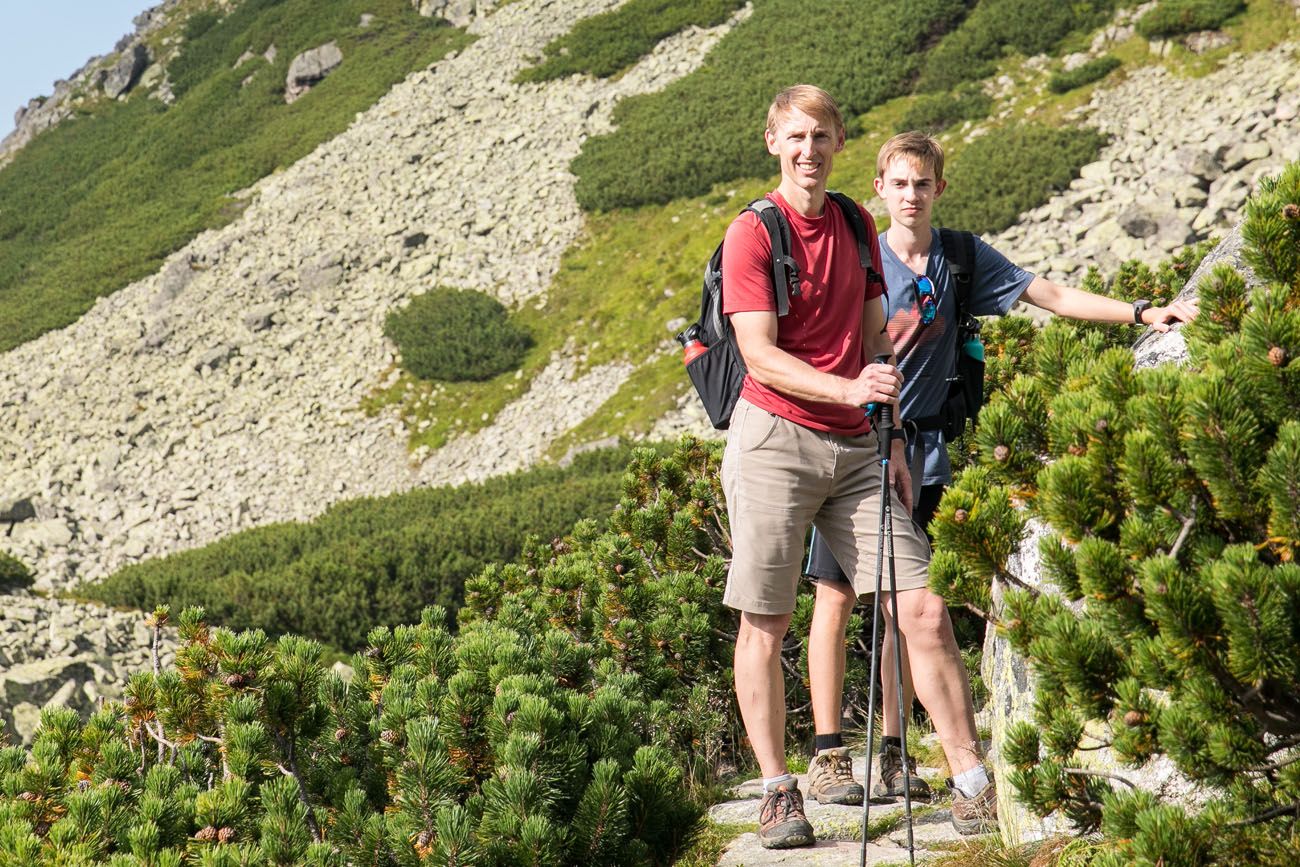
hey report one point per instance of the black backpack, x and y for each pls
(719, 371)
(966, 388)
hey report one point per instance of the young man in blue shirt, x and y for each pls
(909, 177)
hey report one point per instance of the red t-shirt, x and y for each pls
(824, 325)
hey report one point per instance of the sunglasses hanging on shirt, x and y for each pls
(926, 301)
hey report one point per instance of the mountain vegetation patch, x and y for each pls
(370, 561)
(607, 44)
(456, 336)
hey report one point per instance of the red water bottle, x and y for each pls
(692, 348)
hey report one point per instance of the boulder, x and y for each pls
(14, 509)
(310, 68)
(123, 75)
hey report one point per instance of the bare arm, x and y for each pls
(1078, 304)
(778, 369)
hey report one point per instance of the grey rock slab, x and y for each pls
(309, 68)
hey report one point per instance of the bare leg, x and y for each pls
(941, 681)
(826, 653)
(760, 688)
(888, 690)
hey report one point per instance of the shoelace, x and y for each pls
(840, 767)
(779, 806)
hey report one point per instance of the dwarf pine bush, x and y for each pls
(607, 44)
(370, 561)
(1011, 170)
(1175, 17)
(1094, 70)
(1171, 618)
(579, 716)
(456, 335)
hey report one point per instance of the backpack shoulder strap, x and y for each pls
(785, 270)
(959, 250)
(853, 214)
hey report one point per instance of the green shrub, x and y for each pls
(934, 112)
(862, 53)
(580, 716)
(13, 573)
(100, 201)
(1093, 70)
(370, 561)
(1030, 27)
(456, 336)
(608, 43)
(1170, 497)
(1174, 17)
(1009, 171)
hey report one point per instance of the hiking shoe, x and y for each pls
(976, 815)
(830, 778)
(781, 822)
(889, 782)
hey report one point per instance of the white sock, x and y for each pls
(971, 782)
(770, 783)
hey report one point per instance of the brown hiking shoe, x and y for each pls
(830, 778)
(889, 782)
(977, 815)
(781, 822)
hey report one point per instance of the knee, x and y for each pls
(761, 636)
(926, 624)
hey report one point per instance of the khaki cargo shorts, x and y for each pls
(779, 477)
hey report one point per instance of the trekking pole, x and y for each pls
(885, 547)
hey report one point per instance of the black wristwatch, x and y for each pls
(1140, 306)
(897, 433)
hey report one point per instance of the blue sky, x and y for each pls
(43, 40)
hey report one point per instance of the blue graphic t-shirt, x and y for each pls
(927, 353)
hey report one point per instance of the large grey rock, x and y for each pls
(310, 68)
(16, 508)
(175, 276)
(123, 75)
(458, 13)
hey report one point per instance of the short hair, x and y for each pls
(811, 100)
(921, 149)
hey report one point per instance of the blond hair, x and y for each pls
(920, 149)
(811, 100)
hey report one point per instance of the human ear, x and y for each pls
(939, 187)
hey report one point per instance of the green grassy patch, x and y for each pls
(100, 201)
(370, 561)
(864, 54)
(607, 44)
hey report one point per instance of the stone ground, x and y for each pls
(838, 830)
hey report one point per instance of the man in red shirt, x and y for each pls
(800, 451)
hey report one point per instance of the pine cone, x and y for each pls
(1001, 453)
(28, 796)
(388, 736)
(340, 734)
(1134, 718)
(1077, 450)
(1291, 211)
(41, 828)
(960, 516)
(234, 681)
(1101, 425)
(206, 833)
(225, 835)
(1277, 356)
